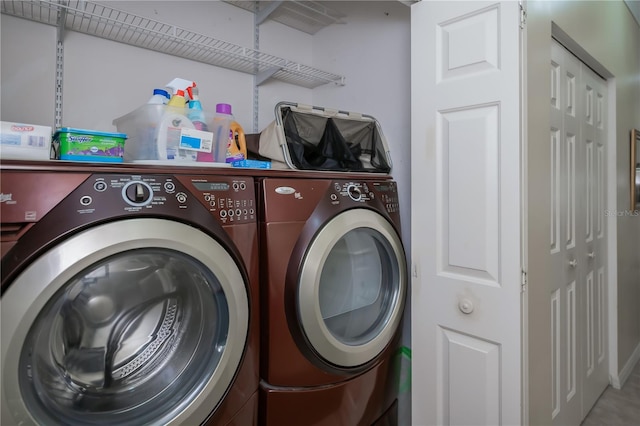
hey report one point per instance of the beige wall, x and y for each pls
(608, 33)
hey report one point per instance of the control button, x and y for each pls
(231, 213)
(238, 212)
(223, 213)
(243, 186)
(86, 200)
(181, 197)
(334, 197)
(170, 187)
(100, 186)
(207, 197)
(251, 211)
(245, 212)
(236, 186)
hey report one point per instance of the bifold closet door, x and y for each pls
(466, 156)
(577, 239)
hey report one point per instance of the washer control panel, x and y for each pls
(230, 199)
(365, 192)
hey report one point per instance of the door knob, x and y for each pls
(573, 263)
(465, 306)
(591, 255)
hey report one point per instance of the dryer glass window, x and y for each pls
(358, 284)
(128, 341)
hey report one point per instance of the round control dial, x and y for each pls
(137, 193)
(354, 192)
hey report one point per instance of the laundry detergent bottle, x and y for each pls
(160, 97)
(221, 126)
(237, 146)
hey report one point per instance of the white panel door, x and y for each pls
(565, 324)
(577, 240)
(593, 125)
(466, 217)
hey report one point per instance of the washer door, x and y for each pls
(142, 321)
(352, 287)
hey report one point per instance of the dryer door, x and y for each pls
(352, 288)
(142, 321)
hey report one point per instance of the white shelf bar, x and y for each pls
(116, 25)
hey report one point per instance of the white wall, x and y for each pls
(28, 71)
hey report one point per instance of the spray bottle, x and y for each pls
(173, 123)
(178, 87)
(195, 109)
(199, 121)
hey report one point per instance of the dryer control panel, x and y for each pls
(363, 192)
(230, 199)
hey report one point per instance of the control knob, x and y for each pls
(137, 193)
(354, 192)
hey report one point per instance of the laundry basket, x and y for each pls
(315, 138)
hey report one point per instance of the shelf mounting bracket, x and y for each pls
(265, 75)
(263, 14)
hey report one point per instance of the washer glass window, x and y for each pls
(128, 340)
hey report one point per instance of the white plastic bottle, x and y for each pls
(160, 97)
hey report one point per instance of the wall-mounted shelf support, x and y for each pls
(304, 15)
(264, 12)
(102, 21)
(265, 75)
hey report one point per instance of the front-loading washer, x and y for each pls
(129, 296)
(333, 286)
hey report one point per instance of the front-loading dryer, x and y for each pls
(333, 287)
(129, 296)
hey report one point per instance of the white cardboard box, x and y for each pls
(20, 141)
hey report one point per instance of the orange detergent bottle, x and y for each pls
(237, 147)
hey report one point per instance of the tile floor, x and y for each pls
(618, 407)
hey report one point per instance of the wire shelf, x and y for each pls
(117, 25)
(307, 16)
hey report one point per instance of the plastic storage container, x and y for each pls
(167, 134)
(89, 145)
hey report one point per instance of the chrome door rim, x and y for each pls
(33, 288)
(319, 336)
